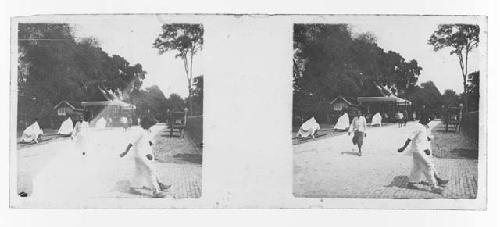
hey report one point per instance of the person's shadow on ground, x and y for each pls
(402, 182)
(123, 186)
(350, 153)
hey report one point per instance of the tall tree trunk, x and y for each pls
(190, 80)
(186, 69)
(466, 103)
(464, 77)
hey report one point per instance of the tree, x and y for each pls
(54, 67)
(175, 103)
(47, 72)
(330, 61)
(428, 95)
(450, 98)
(186, 40)
(197, 96)
(473, 91)
(462, 39)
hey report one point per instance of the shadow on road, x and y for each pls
(350, 153)
(399, 181)
(193, 158)
(402, 182)
(457, 153)
(173, 135)
(123, 186)
(301, 140)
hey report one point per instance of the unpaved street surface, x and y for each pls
(58, 169)
(329, 168)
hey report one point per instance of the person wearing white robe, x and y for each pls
(308, 128)
(376, 120)
(342, 122)
(101, 123)
(32, 133)
(80, 136)
(144, 161)
(66, 127)
(420, 149)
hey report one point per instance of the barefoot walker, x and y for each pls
(143, 158)
(422, 163)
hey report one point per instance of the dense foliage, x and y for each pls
(54, 66)
(330, 61)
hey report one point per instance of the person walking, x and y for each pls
(124, 122)
(358, 127)
(144, 160)
(399, 118)
(80, 136)
(422, 164)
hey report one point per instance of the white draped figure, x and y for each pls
(308, 128)
(376, 119)
(80, 135)
(66, 127)
(101, 123)
(342, 122)
(32, 133)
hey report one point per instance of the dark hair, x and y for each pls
(424, 118)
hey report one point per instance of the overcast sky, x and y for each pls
(132, 38)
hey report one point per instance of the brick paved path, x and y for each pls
(56, 170)
(329, 168)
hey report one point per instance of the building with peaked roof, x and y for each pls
(339, 106)
(65, 109)
(112, 111)
(386, 103)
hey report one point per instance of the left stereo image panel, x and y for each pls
(106, 109)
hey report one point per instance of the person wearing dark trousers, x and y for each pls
(358, 127)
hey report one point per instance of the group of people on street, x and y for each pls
(141, 147)
(418, 140)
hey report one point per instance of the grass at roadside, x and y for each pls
(452, 144)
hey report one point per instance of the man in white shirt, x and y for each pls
(358, 126)
(399, 118)
(422, 164)
(144, 160)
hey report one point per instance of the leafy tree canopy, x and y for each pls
(330, 61)
(54, 66)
